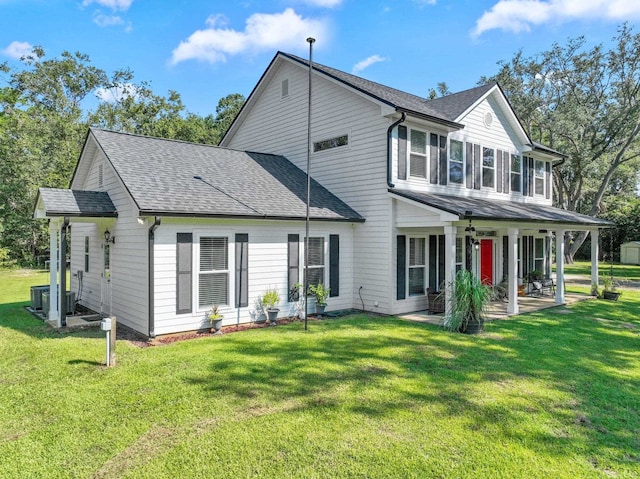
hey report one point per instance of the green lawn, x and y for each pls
(554, 394)
(620, 271)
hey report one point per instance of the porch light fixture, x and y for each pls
(476, 245)
(108, 238)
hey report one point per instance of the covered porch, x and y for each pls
(501, 242)
(62, 207)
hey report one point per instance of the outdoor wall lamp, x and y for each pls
(476, 245)
(108, 238)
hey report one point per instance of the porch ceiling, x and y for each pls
(501, 210)
(55, 202)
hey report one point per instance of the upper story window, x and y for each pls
(516, 172)
(539, 177)
(334, 142)
(418, 155)
(456, 159)
(488, 167)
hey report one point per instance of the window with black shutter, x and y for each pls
(242, 270)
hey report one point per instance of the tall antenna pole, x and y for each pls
(311, 41)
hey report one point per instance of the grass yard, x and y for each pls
(621, 272)
(554, 394)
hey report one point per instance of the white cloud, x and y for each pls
(112, 4)
(103, 20)
(323, 3)
(367, 62)
(286, 30)
(520, 15)
(17, 50)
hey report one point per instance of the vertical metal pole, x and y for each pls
(240, 284)
(306, 238)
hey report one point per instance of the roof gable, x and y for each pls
(176, 178)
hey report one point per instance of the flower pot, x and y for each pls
(217, 325)
(474, 326)
(273, 315)
(611, 295)
(320, 309)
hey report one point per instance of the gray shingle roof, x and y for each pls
(445, 109)
(63, 202)
(175, 178)
(500, 210)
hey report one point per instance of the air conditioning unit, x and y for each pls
(36, 296)
(70, 303)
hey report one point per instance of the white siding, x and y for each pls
(129, 260)
(267, 264)
(356, 173)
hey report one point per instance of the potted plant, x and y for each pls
(466, 311)
(321, 293)
(270, 298)
(215, 318)
(610, 290)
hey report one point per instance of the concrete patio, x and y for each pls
(498, 310)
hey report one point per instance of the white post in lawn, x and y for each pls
(512, 266)
(595, 252)
(560, 266)
(54, 226)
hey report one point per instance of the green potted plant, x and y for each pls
(610, 289)
(466, 308)
(321, 294)
(215, 318)
(270, 298)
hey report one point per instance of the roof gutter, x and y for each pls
(389, 155)
(151, 272)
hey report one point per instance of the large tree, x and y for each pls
(45, 110)
(584, 102)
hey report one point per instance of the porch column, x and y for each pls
(53, 272)
(595, 253)
(449, 261)
(560, 266)
(512, 262)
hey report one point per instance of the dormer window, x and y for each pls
(418, 155)
(488, 167)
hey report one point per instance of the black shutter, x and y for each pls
(525, 176)
(469, 166)
(433, 157)
(402, 152)
(499, 157)
(293, 267)
(433, 262)
(401, 268)
(505, 257)
(531, 177)
(184, 280)
(242, 270)
(506, 168)
(477, 167)
(547, 180)
(468, 260)
(334, 265)
(443, 160)
(441, 263)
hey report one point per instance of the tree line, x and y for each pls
(46, 108)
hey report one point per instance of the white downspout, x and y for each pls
(560, 266)
(595, 253)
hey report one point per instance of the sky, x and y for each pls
(206, 50)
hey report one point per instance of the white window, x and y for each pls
(213, 285)
(459, 253)
(538, 254)
(418, 154)
(316, 264)
(488, 167)
(516, 172)
(456, 159)
(539, 177)
(417, 266)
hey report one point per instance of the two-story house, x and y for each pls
(406, 191)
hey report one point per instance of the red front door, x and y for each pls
(486, 261)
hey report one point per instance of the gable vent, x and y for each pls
(488, 119)
(285, 88)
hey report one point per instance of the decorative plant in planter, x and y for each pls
(215, 318)
(270, 298)
(321, 293)
(610, 290)
(466, 311)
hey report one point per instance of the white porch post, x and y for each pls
(560, 266)
(595, 253)
(53, 272)
(512, 255)
(449, 256)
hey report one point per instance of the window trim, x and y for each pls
(462, 163)
(229, 270)
(424, 155)
(325, 265)
(483, 168)
(422, 266)
(513, 173)
(329, 138)
(537, 178)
